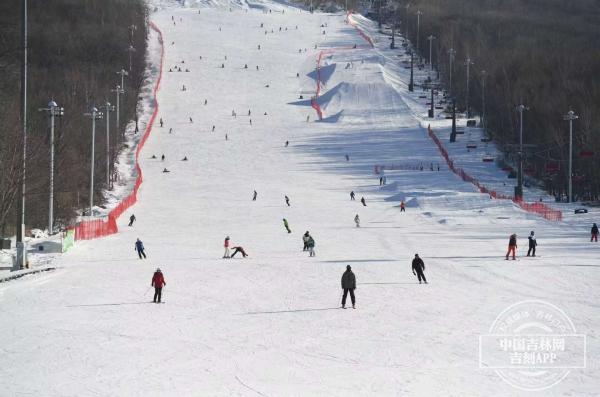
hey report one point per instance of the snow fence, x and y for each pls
(536, 208)
(90, 229)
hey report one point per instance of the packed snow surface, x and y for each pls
(270, 324)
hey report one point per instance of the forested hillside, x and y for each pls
(76, 49)
(541, 53)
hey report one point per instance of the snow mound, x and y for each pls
(362, 100)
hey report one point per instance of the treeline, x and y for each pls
(76, 49)
(541, 53)
(538, 53)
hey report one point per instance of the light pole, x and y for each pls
(21, 259)
(94, 114)
(483, 75)
(419, 13)
(431, 38)
(468, 64)
(118, 90)
(411, 85)
(131, 50)
(519, 189)
(451, 53)
(570, 116)
(54, 111)
(107, 107)
(132, 28)
(407, 6)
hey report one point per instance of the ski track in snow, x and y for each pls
(269, 324)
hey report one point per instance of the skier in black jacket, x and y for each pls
(348, 285)
(532, 244)
(418, 267)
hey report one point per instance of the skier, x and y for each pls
(348, 285)
(249, 112)
(512, 246)
(161, 122)
(594, 233)
(158, 281)
(184, 158)
(287, 143)
(310, 244)
(352, 195)
(418, 266)
(380, 181)
(286, 225)
(532, 244)
(139, 247)
(166, 170)
(254, 196)
(226, 245)
(131, 220)
(305, 238)
(213, 129)
(357, 220)
(239, 249)
(362, 200)
(206, 102)
(287, 200)
(402, 206)
(162, 158)
(191, 121)
(347, 158)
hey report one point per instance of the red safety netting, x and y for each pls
(313, 101)
(91, 229)
(536, 207)
(360, 32)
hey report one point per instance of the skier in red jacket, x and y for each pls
(158, 281)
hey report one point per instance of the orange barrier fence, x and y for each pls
(536, 207)
(90, 229)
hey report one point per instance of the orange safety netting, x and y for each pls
(536, 207)
(95, 228)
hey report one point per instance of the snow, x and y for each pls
(269, 324)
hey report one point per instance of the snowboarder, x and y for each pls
(166, 170)
(532, 244)
(352, 195)
(402, 206)
(254, 196)
(131, 220)
(226, 246)
(139, 247)
(357, 220)
(239, 249)
(594, 233)
(418, 267)
(287, 200)
(512, 246)
(286, 225)
(362, 200)
(348, 285)
(305, 238)
(158, 281)
(310, 244)
(184, 158)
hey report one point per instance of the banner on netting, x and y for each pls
(68, 240)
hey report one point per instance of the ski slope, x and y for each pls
(270, 324)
